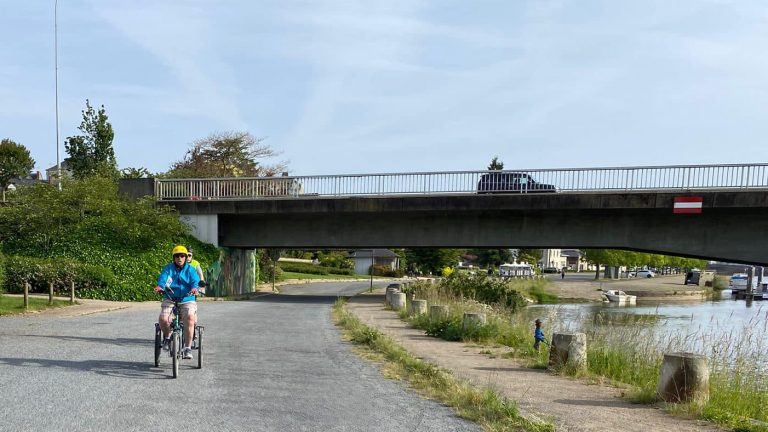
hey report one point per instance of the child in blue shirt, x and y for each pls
(538, 335)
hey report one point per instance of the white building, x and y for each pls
(364, 258)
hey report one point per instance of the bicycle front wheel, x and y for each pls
(176, 353)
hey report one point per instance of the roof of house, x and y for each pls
(366, 253)
(64, 165)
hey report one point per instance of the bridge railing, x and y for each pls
(566, 180)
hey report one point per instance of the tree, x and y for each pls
(492, 257)
(92, 153)
(530, 256)
(15, 161)
(496, 164)
(229, 154)
(432, 260)
(134, 173)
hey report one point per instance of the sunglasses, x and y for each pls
(180, 255)
(189, 255)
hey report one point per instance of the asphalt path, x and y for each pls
(273, 363)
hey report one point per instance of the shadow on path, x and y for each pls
(302, 299)
(119, 369)
(148, 341)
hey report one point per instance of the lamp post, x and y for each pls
(56, 76)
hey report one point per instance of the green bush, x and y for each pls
(88, 223)
(335, 259)
(90, 280)
(386, 271)
(484, 289)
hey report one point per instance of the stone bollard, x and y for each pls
(683, 377)
(418, 307)
(473, 320)
(568, 349)
(390, 291)
(398, 300)
(437, 312)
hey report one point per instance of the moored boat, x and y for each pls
(616, 296)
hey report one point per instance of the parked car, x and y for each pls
(645, 274)
(511, 182)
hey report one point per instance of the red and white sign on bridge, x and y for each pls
(688, 205)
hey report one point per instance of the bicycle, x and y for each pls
(178, 338)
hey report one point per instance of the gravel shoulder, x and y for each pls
(570, 404)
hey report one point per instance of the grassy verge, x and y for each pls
(307, 276)
(627, 350)
(486, 407)
(15, 305)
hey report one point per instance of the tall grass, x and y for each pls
(486, 407)
(629, 349)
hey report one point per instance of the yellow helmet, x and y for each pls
(179, 250)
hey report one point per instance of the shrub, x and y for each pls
(90, 280)
(89, 224)
(484, 289)
(386, 271)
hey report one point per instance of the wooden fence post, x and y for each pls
(26, 295)
(72, 292)
(50, 293)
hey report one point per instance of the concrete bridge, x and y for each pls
(717, 212)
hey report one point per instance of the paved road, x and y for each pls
(274, 363)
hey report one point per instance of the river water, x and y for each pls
(699, 326)
(724, 314)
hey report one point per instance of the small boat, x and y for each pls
(738, 282)
(616, 296)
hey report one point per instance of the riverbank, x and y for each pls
(571, 404)
(660, 288)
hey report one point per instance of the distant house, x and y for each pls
(51, 173)
(31, 178)
(364, 257)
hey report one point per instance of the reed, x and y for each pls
(629, 349)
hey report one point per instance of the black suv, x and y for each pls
(511, 182)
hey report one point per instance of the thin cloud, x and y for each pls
(180, 36)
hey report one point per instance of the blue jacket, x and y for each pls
(181, 281)
(539, 334)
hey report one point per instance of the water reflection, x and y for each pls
(723, 315)
(724, 329)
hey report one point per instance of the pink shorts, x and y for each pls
(185, 309)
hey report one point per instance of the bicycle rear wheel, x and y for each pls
(199, 347)
(158, 344)
(176, 353)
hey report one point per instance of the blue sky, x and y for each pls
(395, 86)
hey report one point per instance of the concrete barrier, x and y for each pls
(568, 349)
(388, 296)
(418, 307)
(437, 312)
(683, 377)
(473, 319)
(398, 300)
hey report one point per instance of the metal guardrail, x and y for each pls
(569, 180)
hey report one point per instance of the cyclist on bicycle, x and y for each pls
(182, 279)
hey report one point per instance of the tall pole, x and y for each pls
(373, 262)
(56, 67)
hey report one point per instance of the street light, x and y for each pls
(56, 73)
